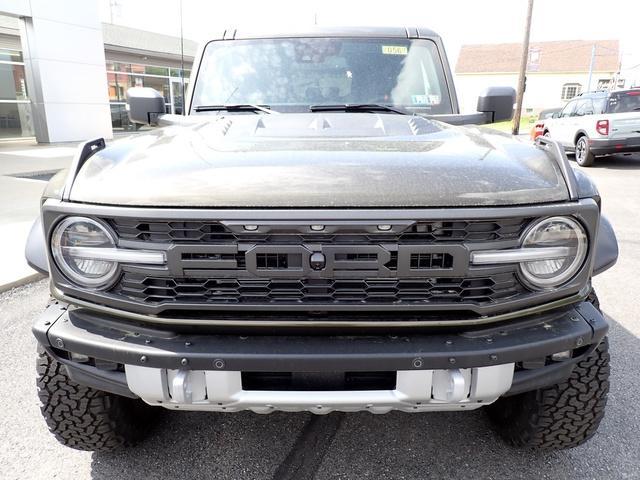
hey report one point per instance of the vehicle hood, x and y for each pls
(319, 160)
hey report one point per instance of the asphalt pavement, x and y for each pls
(343, 446)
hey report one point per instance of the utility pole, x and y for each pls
(523, 70)
(593, 56)
(182, 62)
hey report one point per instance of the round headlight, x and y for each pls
(554, 232)
(69, 238)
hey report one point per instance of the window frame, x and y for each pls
(571, 103)
(565, 89)
(579, 104)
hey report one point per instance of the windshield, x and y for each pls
(623, 102)
(292, 74)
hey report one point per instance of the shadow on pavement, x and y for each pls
(396, 445)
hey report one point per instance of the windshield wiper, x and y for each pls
(359, 107)
(242, 107)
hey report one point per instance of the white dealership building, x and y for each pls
(64, 74)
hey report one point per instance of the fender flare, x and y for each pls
(606, 251)
(35, 250)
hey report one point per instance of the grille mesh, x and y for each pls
(155, 290)
(165, 231)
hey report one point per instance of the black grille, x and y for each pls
(153, 290)
(318, 381)
(166, 231)
(343, 266)
(427, 261)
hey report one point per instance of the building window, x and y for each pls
(15, 109)
(570, 90)
(122, 76)
(603, 84)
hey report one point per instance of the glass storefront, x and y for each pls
(15, 110)
(122, 76)
(16, 119)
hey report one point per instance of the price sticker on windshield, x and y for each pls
(394, 50)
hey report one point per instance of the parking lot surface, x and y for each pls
(343, 446)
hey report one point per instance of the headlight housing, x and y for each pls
(565, 236)
(71, 243)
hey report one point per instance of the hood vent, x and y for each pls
(320, 123)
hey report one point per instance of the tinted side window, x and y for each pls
(623, 102)
(568, 110)
(584, 107)
(599, 105)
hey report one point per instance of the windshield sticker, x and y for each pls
(394, 50)
(420, 100)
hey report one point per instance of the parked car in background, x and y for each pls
(597, 124)
(538, 128)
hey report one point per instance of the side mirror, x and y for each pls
(555, 115)
(145, 105)
(497, 103)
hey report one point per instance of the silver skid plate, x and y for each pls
(416, 391)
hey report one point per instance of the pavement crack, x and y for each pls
(306, 455)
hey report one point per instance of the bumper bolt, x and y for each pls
(489, 340)
(59, 343)
(184, 362)
(143, 359)
(218, 363)
(493, 357)
(449, 342)
(187, 344)
(452, 360)
(147, 341)
(417, 363)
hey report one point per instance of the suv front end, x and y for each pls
(370, 260)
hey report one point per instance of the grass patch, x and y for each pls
(526, 123)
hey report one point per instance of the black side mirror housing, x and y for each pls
(555, 115)
(145, 105)
(497, 103)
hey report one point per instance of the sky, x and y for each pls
(459, 22)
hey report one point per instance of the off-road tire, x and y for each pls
(584, 157)
(561, 416)
(84, 418)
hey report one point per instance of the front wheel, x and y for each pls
(84, 418)
(584, 157)
(561, 416)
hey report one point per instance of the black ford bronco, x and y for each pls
(320, 232)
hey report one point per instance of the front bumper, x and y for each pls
(445, 370)
(609, 147)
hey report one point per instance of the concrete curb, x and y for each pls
(22, 281)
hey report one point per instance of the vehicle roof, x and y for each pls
(599, 94)
(326, 31)
(604, 93)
